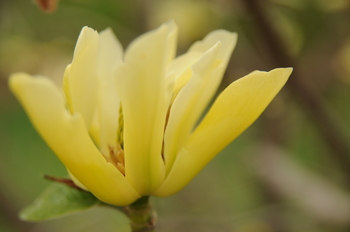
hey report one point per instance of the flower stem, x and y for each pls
(142, 215)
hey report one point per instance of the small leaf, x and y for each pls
(58, 200)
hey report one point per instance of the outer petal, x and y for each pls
(237, 107)
(191, 101)
(76, 181)
(145, 94)
(80, 77)
(68, 137)
(110, 54)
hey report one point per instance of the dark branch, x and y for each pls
(308, 96)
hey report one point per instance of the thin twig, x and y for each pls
(64, 181)
(308, 96)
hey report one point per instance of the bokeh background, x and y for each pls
(289, 172)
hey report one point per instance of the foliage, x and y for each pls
(58, 200)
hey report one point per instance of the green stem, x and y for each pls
(142, 216)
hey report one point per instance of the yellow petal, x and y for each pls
(171, 40)
(111, 53)
(191, 101)
(227, 39)
(182, 65)
(68, 137)
(95, 128)
(76, 181)
(145, 95)
(80, 77)
(236, 108)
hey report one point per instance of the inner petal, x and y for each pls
(109, 116)
(145, 94)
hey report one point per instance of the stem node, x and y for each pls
(142, 216)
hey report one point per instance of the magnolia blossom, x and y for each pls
(127, 124)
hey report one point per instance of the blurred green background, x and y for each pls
(281, 175)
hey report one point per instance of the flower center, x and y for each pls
(116, 153)
(117, 157)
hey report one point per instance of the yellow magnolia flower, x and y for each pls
(125, 124)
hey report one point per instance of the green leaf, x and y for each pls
(58, 200)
